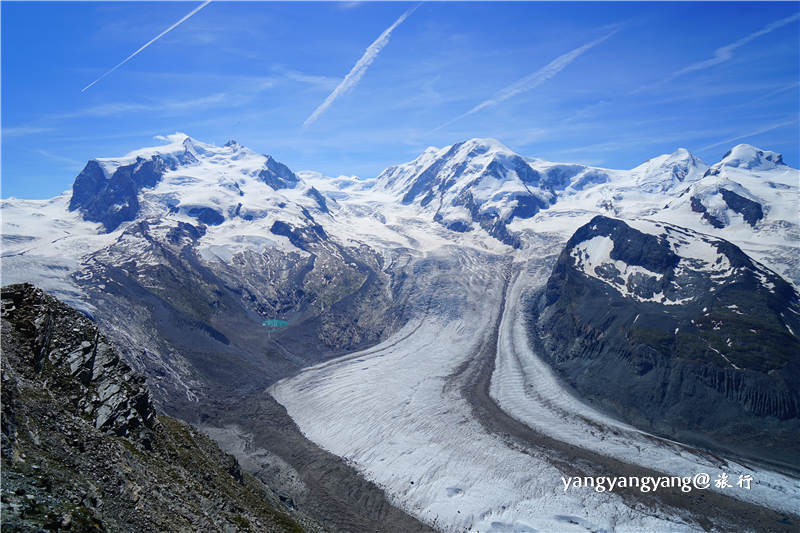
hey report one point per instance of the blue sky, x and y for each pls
(603, 84)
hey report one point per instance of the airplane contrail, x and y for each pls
(759, 131)
(151, 41)
(532, 80)
(722, 54)
(358, 70)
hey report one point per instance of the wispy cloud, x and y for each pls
(24, 130)
(759, 131)
(69, 162)
(168, 106)
(151, 41)
(777, 91)
(326, 82)
(722, 54)
(532, 80)
(359, 69)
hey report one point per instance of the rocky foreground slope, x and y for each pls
(83, 448)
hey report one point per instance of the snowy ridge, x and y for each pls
(667, 171)
(180, 149)
(750, 197)
(478, 191)
(696, 253)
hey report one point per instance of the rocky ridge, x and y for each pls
(83, 448)
(698, 339)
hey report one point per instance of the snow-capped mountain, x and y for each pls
(665, 172)
(659, 310)
(186, 248)
(191, 180)
(750, 197)
(187, 254)
(747, 187)
(481, 183)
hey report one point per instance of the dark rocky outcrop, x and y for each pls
(114, 199)
(67, 350)
(489, 221)
(84, 450)
(698, 207)
(750, 210)
(299, 236)
(206, 215)
(715, 361)
(317, 196)
(277, 175)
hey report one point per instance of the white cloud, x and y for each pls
(151, 41)
(169, 106)
(66, 161)
(532, 80)
(24, 130)
(322, 81)
(359, 69)
(724, 53)
(759, 131)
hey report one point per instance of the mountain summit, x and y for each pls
(751, 158)
(205, 182)
(481, 183)
(669, 170)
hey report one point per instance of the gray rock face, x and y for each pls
(66, 343)
(704, 352)
(83, 448)
(277, 175)
(750, 210)
(113, 200)
(206, 215)
(194, 327)
(699, 207)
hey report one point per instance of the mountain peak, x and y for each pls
(178, 148)
(749, 157)
(667, 170)
(201, 181)
(488, 144)
(681, 154)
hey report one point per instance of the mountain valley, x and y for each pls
(435, 347)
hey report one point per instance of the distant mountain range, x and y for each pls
(675, 280)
